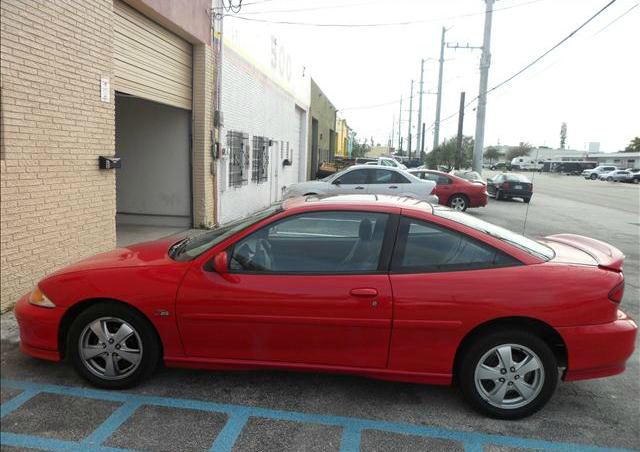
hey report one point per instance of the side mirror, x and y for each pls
(336, 182)
(221, 263)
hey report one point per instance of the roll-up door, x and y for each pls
(150, 61)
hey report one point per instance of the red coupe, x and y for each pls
(454, 191)
(384, 287)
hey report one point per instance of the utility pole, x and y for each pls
(436, 128)
(399, 126)
(420, 135)
(409, 128)
(393, 132)
(460, 123)
(485, 62)
(422, 142)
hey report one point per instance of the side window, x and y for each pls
(424, 247)
(398, 178)
(314, 242)
(429, 176)
(353, 177)
(382, 176)
(443, 180)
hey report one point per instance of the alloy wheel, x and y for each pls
(509, 376)
(458, 203)
(110, 348)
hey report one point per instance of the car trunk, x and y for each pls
(577, 249)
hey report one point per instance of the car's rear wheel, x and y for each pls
(113, 346)
(458, 202)
(527, 200)
(508, 375)
(609, 179)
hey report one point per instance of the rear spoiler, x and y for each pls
(607, 256)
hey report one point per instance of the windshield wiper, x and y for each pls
(178, 248)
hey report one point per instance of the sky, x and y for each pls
(592, 82)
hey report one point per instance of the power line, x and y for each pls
(373, 25)
(562, 41)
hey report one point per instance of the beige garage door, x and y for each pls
(150, 61)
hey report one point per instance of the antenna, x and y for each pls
(526, 214)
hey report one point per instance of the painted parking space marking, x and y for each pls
(238, 416)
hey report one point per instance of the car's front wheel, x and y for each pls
(593, 176)
(113, 346)
(508, 375)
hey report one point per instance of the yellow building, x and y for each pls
(343, 138)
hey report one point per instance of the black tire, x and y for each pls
(150, 344)
(475, 351)
(609, 179)
(527, 200)
(593, 177)
(499, 195)
(461, 198)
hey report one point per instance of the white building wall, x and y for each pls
(252, 103)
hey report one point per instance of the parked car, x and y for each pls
(501, 166)
(510, 185)
(361, 179)
(472, 176)
(384, 287)
(454, 191)
(597, 171)
(616, 176)
(635, 176)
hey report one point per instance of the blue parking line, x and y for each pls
(238, 415)
(39, 442)
(350, 440)
(111, 424)
(230, 433)
(16, 402)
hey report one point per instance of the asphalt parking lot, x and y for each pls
(46, 406)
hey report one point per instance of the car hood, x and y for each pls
(306, 187)
(142, 254)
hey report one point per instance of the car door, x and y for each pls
(354, 181)
(308, 289)
(387, 182)
(436, 273)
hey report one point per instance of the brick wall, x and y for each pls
(203, 98)
(55, 205)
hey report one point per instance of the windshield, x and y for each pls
(531, 246)
(190, 248)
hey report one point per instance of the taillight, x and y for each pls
(530, 187)
(505, 185)
(616, 293)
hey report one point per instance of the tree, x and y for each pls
(359, 149)
(492, 153)
(563, 135)
(519, 151)
(634, 145)
(445, 154)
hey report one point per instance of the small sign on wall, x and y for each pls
(105, 89)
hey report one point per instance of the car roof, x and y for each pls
(359, 201)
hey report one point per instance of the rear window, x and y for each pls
(516, 178)
(531, 246)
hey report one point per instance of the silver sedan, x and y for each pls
(368, 179)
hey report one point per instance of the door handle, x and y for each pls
(359, 188)
(364, 292)
(393, 186)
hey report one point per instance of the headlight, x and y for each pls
(37, 298)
